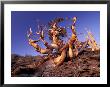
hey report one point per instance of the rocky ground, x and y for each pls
(86, 64)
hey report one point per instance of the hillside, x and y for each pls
(86, 64)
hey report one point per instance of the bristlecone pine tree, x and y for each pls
(71, 48)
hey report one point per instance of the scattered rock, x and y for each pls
(87, 64)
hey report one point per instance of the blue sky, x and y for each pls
(21, 21)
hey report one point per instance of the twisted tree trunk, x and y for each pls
(60, 59)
